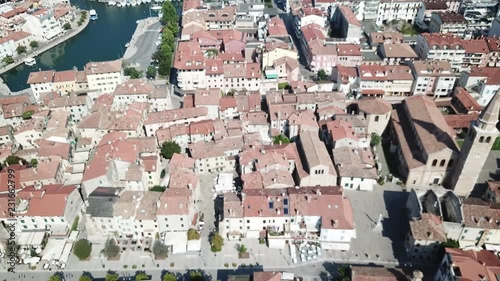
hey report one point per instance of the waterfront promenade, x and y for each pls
(142, 45)
(43, 47)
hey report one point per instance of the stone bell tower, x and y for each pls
(477, 145)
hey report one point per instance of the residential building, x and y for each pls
(348, 25)
(339, 133)
(389, 10)
(42, 25)
(104, 76)
(360, 273)
(180, 116)
(448, 22)
(461, 264)
(317, 167)
(479, 140)
(355, 168)
(435, 215)
(217, 156)
(423, 142)
(52, 208)
(482, 83)
(397, 53)
(6, 136)
(77, 106)
(433, 78)
(41, 82)
(437, 46)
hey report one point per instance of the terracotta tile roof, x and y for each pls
(369, 273)
(68, 101)
(18, 35)
(348, 50)
(4, 100)
(493, 44)
(205, 127)
(276, 27)
(374, 106)
(432, 68)
(49, 201)
(227, 102)
(36, 77)
(202, 150)
(97, 120)
(214, 66)
(65, 76)
(256, 203)
(183, 179)
(349, 16)
(103, 102)
(340, 129)
(134, 87)
(451, 17)
(475, 46)
(254, 118)
(35, 124)
(233, 206)
(171, 132)
(4, 176)
(267, 276)
(440, 40)
(174, 201)
(398, 50)
(328, 202)
(181, 161)
(386, 37)
(475, 265)
(48, 148)
(175, 114)
(463, 96)
(92, 68)
(428, 227)
(46, 97)
(480, 214)
(207, 97)
(492, 74)
(45, 170)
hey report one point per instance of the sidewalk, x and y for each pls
(142, 26)
(43, 47)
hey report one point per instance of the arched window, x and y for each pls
(481, 139)
(488, 139)
(434, 162)
(442, 163)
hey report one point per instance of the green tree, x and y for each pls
(157, 188)
(375, 139)
(133, 72)
(8, 60)
(55, 277)
(242, 249)
(139, 276)
(112, 277)
(67, 26)
(151, 72)
(281, 139)
(450, 243)
(217, 242)
(34, 44)
(82, 249)
(85, 278)
(160, 249)
(169, 14)
(21, 49)
(33, 162)
(27, 114)
(169, 277)
(74, 226)
(111, 250)
(193, 234)
(168, 37)
(13, 159)
(344, 273)
(321, 75)
(168, 149)
(196, 276)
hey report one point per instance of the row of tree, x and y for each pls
(164, 55)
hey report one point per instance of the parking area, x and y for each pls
(381, 226)
(205, 203)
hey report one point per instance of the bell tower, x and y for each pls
(477, 145)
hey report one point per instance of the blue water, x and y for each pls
(103, 39)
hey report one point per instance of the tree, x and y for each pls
(168, 149)
(55, 277)
(169, 14)
(151, 72)
(160, 249)
(21, 49)
(375, 139)
(281, 139)
(344, 273)
(196, 276)
(34, 44)
(13, 159)
(27, 114)
(242, 249)
(217, 242)
(321, 75)
(67, 26)
(85, 278)
(82, 249)
(193, 234)
(34, 163)
(8, 60)
(139, 276)
(169, 277)
(111, 250)
(112, 277)
(157, 188)
(450, 243)
(133, 72)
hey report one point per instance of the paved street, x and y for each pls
(205, 204)
(142, 45)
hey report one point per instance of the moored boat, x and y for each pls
(29, 61)
(93, 14)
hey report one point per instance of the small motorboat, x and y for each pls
(127, 45)
(93, 14)
(29, 61)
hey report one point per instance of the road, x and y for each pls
(144, 46)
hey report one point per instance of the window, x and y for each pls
(434, 162)
(481, 139)
(488, 139)
(450, 163)
(442, 163)
(376, 118)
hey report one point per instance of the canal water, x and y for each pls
(103, 39)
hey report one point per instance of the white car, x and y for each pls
(158, 43)
(159, 37)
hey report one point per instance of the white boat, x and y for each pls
(111, 3)
(147, 1)
(156, 8)
(29, 61)
(93, 14)
(133, 3)
(127, 45)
